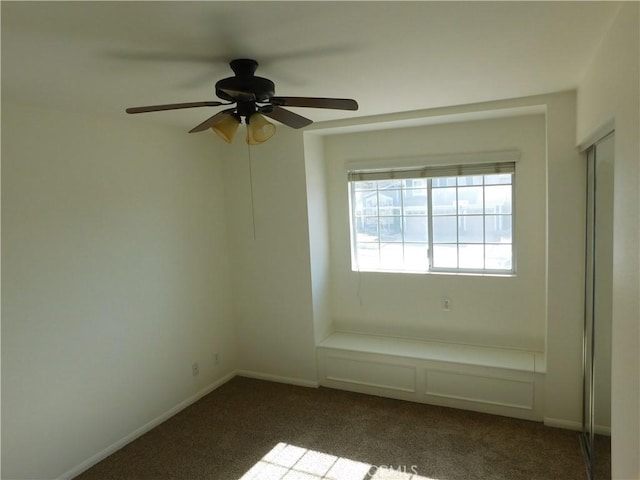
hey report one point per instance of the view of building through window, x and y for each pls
(462, 223)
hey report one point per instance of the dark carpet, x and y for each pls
(324, 433)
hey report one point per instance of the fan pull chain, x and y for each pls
(253, 212)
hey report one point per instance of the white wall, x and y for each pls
(114, 274)
(486, 310)
(566, 194)
(610, 90)
(318, 235)
(270, 270)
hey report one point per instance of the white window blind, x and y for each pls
(433, 171)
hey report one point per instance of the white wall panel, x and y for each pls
(371, 373)
(480, 389)
(434, 374)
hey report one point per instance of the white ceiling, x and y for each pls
(390, 56)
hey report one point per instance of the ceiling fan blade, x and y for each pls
(172, 106)
(211, 121)
(282, 115)
(316, 102)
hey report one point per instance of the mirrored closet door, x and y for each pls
(596, 419)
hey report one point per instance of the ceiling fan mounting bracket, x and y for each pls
(243, 66)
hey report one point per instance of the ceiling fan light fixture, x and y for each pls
(227, 127)
(259, 129)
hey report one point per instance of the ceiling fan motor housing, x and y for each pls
(245, 82)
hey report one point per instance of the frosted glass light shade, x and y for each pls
(259, 129)
(226, 128)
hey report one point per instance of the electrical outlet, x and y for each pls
(195, 369)
(446, 304)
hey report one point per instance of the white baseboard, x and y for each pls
(91, 461)
(560, 423)
(277, 378)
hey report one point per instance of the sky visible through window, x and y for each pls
(290, 462)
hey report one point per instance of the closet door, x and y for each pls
(598, 305)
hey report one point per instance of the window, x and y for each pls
(444, 219)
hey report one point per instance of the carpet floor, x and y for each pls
(252, 429)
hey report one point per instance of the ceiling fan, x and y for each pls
(253, 98)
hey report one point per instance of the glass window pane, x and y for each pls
(415, 229)
(366, 203)
(471, 229)
(470, 200)
(498, 257)
(498, 199)
(498, 229)
(444, 201)
(471, 256)
(366, 229)
(415, 201)
(502, 178)
(390, 229)
(390, 183)
(443, 182)
(416, 257)
(414, 183)
(475, 180)
(391, 256)
(445, 256)
(390, 202)
(445, 230)
(369, 185)
(368, 256)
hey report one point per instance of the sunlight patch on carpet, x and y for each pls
(289, 462)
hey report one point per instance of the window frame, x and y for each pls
(503, 162)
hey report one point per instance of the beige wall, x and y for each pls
(609, 95)
(114, 269)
